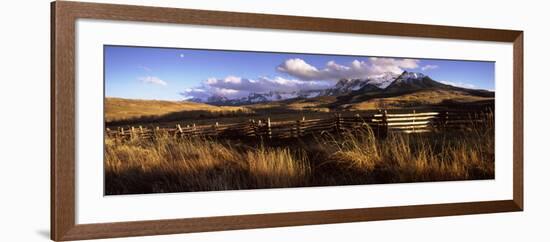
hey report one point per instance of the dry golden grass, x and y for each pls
(277, 167)
(168, 164)
(197, 164)
(123, 109)
(406, 158)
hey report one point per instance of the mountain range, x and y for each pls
(355, 90)
(261, 97)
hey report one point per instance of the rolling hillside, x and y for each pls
(417, 99)
(123, 109)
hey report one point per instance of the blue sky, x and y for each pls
(177, 74)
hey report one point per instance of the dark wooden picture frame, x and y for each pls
(63, 19)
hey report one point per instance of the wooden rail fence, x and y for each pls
(381, 123)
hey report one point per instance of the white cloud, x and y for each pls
(307, 77)
(429, 67)
(153, 80)
(459, 84)
(299, 68)
(356, 69)
(237, 87)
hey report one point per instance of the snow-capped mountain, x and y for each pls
(411, 76)
(263, 97)
(385, 84)
(216, 99)
(384, 80)
(346, 86)
(410, 81)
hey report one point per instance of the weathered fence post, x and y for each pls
(179, 131)
(155, 132)
(194, 133)
(252, 125)
(337, 122)
(121, 133)
(216, 129)
(259, 129)
(384, 124)
(268, 127)
(302, 123)
(132, 133)
(358, 122)
(378, 124)
(446, 120)
(108, 133)
(298, 128)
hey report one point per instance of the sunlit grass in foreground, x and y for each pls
(168, 164)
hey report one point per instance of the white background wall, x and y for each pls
(24, 120)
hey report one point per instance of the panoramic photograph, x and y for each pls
(194, 120)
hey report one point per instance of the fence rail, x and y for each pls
(381, 123)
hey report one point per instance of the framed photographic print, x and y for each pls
(174, 120)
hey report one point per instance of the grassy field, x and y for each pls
(166, 164)
(117, 109)
(131, 112)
